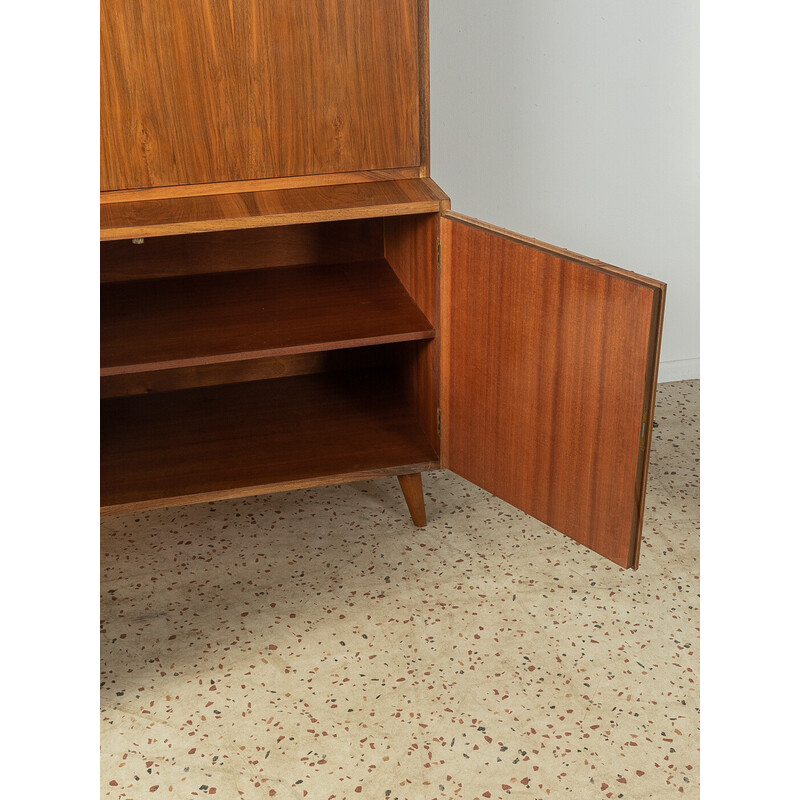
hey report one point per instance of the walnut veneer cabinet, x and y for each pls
(288, 301)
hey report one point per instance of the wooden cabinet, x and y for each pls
(287, 299)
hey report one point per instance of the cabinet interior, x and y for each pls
(241, 362)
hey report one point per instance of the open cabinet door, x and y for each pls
(548, 381)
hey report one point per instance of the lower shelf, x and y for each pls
(217, 442)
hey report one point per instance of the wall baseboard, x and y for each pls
(683, 369)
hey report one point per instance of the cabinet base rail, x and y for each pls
(410, 484)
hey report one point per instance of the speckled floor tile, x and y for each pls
(314, 644)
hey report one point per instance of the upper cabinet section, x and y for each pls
(209, 91)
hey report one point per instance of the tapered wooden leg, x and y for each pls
(412, 491)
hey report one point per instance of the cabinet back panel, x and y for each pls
(168, 380)
(228, 251)
(201, 91)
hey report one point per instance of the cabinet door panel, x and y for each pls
(206, 91)
(548, 381)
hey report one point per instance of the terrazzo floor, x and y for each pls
(314, 644)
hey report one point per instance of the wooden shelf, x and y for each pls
(232, 211)
(194, 320)
(243, 439)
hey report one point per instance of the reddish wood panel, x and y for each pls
(423, 46)
(233, 251)
(410, 247)
(259, 184)
(198, 91)
(256, 369)
(249, 438)
(548, 380)
(236, 316)
(225, 212)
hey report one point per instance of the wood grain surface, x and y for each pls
(423, 48)
(411, 486)
(176, 215)
(548, 381)
(236, 316)
(254, 369)
(410, 247)
(234, 251)
(249, 438)
(199, 91)
(258, 185)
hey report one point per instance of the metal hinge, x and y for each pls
(439, 254)
(439, 421)
(643, 434)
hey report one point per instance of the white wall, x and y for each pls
(577, 122)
